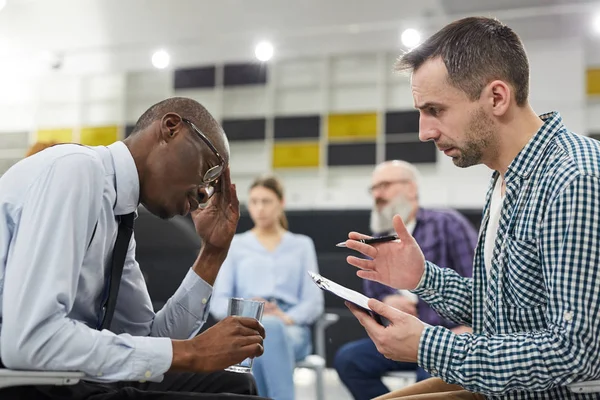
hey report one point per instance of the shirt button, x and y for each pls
(434, 371)
(568, 316)
(148, 374)
(204, 301)
(99, 374)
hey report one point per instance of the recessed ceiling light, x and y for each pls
(161, 59)
(264, 51)
(410, 38)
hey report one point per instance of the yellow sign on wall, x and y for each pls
(352, 126)
(593, 81)
(64, 135)
(99, 135)
(296, 154)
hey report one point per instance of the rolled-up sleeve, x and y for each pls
(566, 349)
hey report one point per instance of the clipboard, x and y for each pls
(350, 295)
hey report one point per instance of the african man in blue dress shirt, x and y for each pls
(446, 237)
(59, 211)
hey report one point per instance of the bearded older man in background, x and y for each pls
(446, 238)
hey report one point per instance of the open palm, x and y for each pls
(399, 264)
(217, 222)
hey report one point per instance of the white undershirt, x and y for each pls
(491, 232)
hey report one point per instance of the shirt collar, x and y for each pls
(527, 159)
(126, 179)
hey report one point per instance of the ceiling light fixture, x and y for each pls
(264, 51)
(410, 38)
(161, 59)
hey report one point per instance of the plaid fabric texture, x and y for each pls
(536, 316)
(448, 240)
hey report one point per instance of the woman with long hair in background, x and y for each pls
(270, 263)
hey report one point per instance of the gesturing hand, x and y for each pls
(399, 264)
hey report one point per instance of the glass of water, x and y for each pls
(244, 308)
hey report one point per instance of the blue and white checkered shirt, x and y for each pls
(535, 317)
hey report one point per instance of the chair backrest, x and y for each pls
(166, 249)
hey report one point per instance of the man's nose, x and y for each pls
(377, 191)
(427, 129)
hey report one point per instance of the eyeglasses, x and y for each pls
(386, 184)
(211, 177)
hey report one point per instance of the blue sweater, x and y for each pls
(251, 270)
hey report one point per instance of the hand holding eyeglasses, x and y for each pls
(217, 221)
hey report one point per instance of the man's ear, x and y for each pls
(498, 95)
(170, 126)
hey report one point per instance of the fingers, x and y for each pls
(400, 228)
(369, 275)
(365, 319)
(196, 212)
(234, 202)
(249, 340)
(228, 195)
(358, 236)
(361, 263)
(252, 324)
(252, 350)
(365, 249)
(384, 310)
(225, 185)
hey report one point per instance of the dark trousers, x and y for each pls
(360, 366)
(175, 386)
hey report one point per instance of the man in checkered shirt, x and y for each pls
(534, 298)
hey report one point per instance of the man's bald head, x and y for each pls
(393, 178)
(173, 158)
(397, 169)
(395, 191)
(189, 109)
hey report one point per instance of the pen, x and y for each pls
(372, 240)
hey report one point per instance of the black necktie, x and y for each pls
(116, 271)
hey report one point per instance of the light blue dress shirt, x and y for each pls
(53, 274)
(251, 270)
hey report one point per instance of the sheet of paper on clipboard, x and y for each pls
(340, 291)
(347, 294)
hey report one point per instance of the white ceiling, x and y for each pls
(121, 34)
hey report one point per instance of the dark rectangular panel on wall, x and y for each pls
(351, 154)
(413, 152)
(189, 78)
(128, 130)
(297, 127)
(244, 129)
(245, 74)
(402, 122)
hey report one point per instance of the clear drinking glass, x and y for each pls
(244, 308)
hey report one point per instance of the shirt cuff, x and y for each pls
(192, 302)
(192, 282)
(427, 284)
(422, 280)
(153, 358)
(194, 295)
(436, 349)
